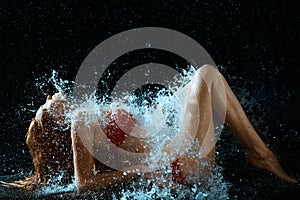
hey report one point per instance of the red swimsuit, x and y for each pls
(120, 125)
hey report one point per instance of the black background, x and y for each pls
(255, 40)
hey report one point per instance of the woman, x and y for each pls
(185, 168)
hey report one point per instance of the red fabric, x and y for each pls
(120, 125)
(176, 173)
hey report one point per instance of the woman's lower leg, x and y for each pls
(259, 155)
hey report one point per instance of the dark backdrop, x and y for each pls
(254, 43)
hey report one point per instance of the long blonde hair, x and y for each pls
(51, 152)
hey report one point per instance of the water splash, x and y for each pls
(165, 104)
(214, 188)
(55, 185)
(163, 107)
(56, 82)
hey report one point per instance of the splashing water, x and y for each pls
(162, 117)
(214, 188)
(54, 185)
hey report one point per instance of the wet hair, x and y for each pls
(51, 152)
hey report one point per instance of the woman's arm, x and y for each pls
(85, 176)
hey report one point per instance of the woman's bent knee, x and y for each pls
(208, 71)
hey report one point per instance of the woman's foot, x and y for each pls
(270, 163)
